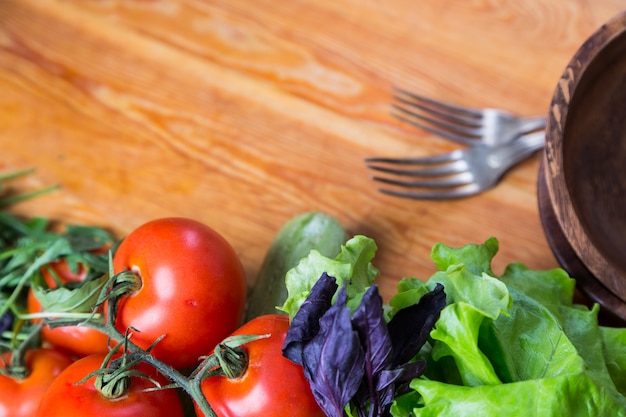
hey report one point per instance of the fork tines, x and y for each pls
(441, 176)
(494, 139)
(452, 122)
(460, 173)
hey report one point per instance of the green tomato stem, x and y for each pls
(17, 368)
(130, 282)
(190, 385)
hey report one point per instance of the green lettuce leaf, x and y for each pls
(352, 264)
(567, 395)
(514, 344)
(614, 345)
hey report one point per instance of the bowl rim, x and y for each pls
(585, 281)
(585, 249)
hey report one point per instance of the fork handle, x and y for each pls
(530, 124)
(516, 151)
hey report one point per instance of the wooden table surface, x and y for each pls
(244, 113)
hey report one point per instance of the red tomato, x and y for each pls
(193, 289)
(21, 397)
(67, 398)
(74, 340)
(272, 385)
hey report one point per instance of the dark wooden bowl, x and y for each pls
(583, 174)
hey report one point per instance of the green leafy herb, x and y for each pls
(30, 245)
(27, 246)
(7, 197)
(66, 299)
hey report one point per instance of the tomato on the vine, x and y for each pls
(75, 340)
(20, 397)
(70, 396)
(271, 385)
(193, 289)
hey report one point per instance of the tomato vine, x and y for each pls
(229, 359)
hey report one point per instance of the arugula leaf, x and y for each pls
(81, 299)
(8, 197)
(28, 245)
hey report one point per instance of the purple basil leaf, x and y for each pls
(306, 323)
(410, 371)
(387, 380)
(410, 327)
(6, 321)
(333, 359)
(370, 323)
(368, 319)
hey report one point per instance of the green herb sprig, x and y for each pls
(29, 244)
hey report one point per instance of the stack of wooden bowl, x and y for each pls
(582, 180)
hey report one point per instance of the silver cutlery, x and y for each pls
(466, 125)
(460, 173)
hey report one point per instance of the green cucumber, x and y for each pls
(294, 241)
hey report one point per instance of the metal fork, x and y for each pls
(466, 125)
(460, 173)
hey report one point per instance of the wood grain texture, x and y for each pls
(244, 113)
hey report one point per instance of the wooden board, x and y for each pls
(245, 113)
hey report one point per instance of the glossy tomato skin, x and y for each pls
(193, 289)
(67, 398)
(272, 385)
(77, 341)
(21, 397)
